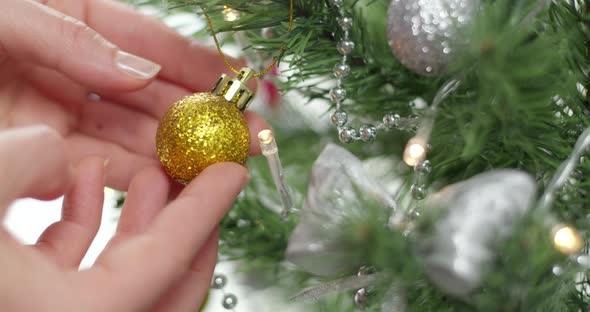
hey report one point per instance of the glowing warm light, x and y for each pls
(415, 152)
(265, 136)
(230, 14)
(567, 240)
(268, 145)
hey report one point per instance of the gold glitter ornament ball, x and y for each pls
(201, 130)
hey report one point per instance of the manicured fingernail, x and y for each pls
(93, 97)
(136, 66)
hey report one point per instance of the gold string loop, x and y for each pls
(226, 60)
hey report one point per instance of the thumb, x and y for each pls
(33, 163)
(32, 32)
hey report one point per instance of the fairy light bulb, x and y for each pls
(270, 150)
(230, 14)
(267, 141)
(415, 151)
(566, 239)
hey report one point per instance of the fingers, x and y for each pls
(123, 165)
(128, 116)
(33, 163)
(190, 292)
(155, 99)
(147, 195)
(198, 69)
(174, 238)
(202, 203)
(132, 130)
(67, 240)
(183, 61)
(52, 39)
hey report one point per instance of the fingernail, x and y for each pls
(93, 97)
(136, 66)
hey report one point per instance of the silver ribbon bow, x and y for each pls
(481, 211)
(336, 179)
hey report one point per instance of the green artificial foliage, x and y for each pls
(522, 66)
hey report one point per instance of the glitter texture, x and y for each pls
(421, 32)
(198, 131)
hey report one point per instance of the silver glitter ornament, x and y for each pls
(347, 135)
(339, 118)
(479, 213)
(229, 301)
(421, 33)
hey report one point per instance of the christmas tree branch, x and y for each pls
(520, 105)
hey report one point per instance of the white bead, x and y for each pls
(339, 118)
(347, 135)
(345, 47)
(338, 94)
(423, 167)
(391, 121)
(345, 22)
(341, 70)
(368, 133)
(419, 192)
(219, 281)
(229, 301)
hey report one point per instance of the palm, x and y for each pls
(118, 126)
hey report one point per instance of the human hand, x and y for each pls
(54, 54)
(161, 258)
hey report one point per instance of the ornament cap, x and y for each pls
(234, 90)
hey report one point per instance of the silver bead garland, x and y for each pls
(360, 297)
(229, 300)
(419, 189)
(366, 133)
